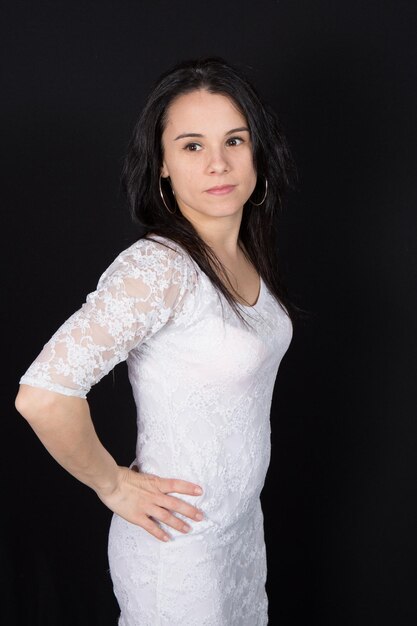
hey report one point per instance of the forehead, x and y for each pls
(200, 110)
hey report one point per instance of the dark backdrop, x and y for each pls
(340, 497)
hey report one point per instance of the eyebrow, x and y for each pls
(229, 132)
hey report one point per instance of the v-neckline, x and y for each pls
(258, 299)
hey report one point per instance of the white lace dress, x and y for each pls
(203, 387)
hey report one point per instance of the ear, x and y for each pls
(164, 171)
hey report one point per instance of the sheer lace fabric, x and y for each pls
(202, 383)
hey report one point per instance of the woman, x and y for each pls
(196, 307)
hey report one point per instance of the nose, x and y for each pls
(217, 161)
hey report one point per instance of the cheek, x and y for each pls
(250, 172)
(246, 164)
(183, 178)
(250, 178)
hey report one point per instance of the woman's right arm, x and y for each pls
(64, 426)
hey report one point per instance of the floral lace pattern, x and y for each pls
(202, 383)
(134, 298)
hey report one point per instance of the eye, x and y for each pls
(192, 147)
(239, 140)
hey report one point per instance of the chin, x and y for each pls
(218, 208)
(225, 204)
(224, 211)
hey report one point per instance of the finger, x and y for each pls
(170, 485)
(179, 506)
(153, 529)
(169, 519)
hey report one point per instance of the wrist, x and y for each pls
(107, 482)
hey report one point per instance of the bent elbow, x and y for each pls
(32, 402)
(38, 405)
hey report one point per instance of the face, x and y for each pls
(206, 145)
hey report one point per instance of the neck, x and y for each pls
(220, 233)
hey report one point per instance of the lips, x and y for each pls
(221, 190)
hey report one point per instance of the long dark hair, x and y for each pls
(272, 162)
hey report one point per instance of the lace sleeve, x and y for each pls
(136, 295)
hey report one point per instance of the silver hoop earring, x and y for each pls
(162, 196)
(263, 199)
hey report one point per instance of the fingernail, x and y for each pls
(198, 491)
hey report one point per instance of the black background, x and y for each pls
(340, 496)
